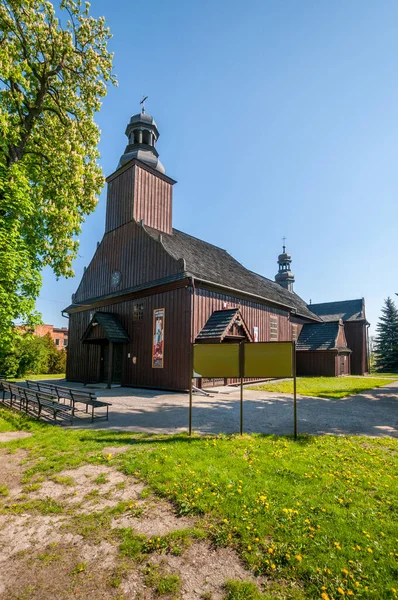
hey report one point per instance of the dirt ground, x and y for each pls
(60, 538)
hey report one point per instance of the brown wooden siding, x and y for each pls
(152, 200)
(317, 363)
(120, 200)
(253, 313)
(356, 341)
(130, 250)
(83, 359)
(138, 193)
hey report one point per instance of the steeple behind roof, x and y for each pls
(285, 277)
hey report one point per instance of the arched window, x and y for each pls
(145, 137)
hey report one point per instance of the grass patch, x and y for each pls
(31, 487)
(242, 590)
(4, 491)
(80, 568)
(48, 506)
(314, 516)
(379, 374)
(17, 421)
(323, 387)
(161, 582)
(102, 478)
(321, 511)
(38, 377)
(66, 480)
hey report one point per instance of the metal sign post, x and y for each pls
(241, 369)
(190, 390)
(294, 391)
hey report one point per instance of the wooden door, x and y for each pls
(117, 374)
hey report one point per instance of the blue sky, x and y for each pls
(276, 119)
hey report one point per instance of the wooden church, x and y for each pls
(151, 290)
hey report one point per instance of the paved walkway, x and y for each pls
(374, 413)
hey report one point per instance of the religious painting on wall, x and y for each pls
(158, 339)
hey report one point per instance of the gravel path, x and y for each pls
(373, 413)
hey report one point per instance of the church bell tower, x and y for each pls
(139, 189)
(284, 276)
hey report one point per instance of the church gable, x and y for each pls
(127, 257)
(225, 326)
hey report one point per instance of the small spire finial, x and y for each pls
(144, 98)
(284, 244)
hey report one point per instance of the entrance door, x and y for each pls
(104, 363)
(117, 363)
(342, 365)
(117, 370)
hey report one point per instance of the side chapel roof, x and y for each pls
(347, 310)
(318, 336)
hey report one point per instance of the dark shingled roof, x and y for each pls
(219, 323)
(347, 310)
(318, 336)
(211, 263)
(113, 329)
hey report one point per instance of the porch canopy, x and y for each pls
(105, 328)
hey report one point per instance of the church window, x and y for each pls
(138, 311)
(146, 137)
(273, 328)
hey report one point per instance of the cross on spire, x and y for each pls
(144, 98)
(284, 244)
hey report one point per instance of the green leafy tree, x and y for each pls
(32, 355)
(54, 71)
(386, 341)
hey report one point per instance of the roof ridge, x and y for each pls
(336, 301)
(200, 240)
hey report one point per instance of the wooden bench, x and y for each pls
(74, 396)
(35, 401)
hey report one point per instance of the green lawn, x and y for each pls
(389, 375)
(324, 387)
(40, 377)
(318, 517)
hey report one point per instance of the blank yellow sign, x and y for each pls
(216, 360)
(268, 359)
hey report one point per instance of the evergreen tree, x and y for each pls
(386, 342)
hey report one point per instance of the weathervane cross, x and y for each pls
(143, 103)
(284, 244)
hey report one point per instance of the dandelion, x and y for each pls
(324, 596)
(249, 547)
(273, 566)
(299, 557)
(370, 550)
(341, 591)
